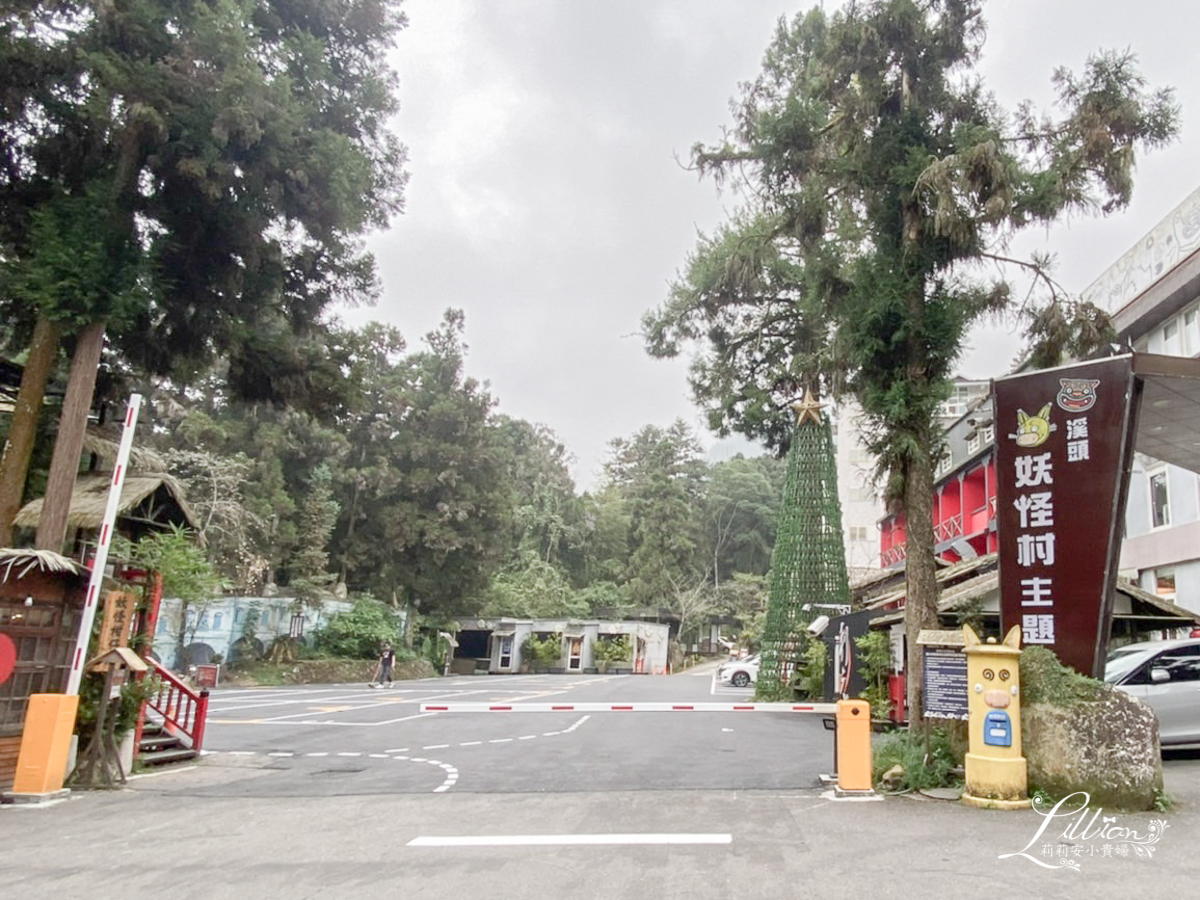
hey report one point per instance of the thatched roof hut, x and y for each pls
(148, 503)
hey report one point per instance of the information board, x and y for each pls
(945, 684)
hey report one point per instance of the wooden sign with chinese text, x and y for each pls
(119, 610)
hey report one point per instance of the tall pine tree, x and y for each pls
(882, 173)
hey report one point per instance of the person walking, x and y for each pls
(383, 672)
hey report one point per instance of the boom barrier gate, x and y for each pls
(852, 728)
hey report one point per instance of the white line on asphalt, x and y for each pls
(379, 756)
(322, 753)
(436, 747)
(470, 743)
(542, 840)
(241, 752)
(527, 737)
(404, 719)
(281, 753)
(501, 741)
(397, 750)
(170, 771)
(551, 733)
(349, 754)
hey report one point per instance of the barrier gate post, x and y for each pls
(854, 747)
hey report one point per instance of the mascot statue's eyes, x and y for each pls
(989, 674)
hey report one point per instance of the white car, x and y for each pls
(1166, 676)
(739, 672)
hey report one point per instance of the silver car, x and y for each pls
(739, 672)
(1166, 676)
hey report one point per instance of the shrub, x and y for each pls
(543, 652)
(612, 648)
(1046, 680)
(358, 633)
(928, 762)
(810, 681)
(875, 663)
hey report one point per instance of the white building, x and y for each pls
(1153, 295)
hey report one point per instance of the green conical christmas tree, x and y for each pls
(808, 563)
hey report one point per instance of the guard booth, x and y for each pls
(41, 599)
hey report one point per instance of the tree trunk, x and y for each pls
(64, 464)
(920, 576)
(22, 431)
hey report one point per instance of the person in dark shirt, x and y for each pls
(383, 672)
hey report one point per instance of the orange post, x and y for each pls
(854, 746)
(45, 743)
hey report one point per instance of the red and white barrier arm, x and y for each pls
(593, 707)
(79, 657)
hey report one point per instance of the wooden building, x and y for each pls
(41, 599)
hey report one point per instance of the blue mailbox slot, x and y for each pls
(997, 729)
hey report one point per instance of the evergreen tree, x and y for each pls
(882, 173)
(187, 179)
(661, 477)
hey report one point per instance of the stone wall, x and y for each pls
(1108, 747)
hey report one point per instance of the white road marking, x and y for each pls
(170, 771)
(322, 753)
(397, 750)
(544, 840)
(436, 747)
(241, 752)
(551, 733)
(403, 719)
(501, 741)
(470, 743)
(527, 737)
(349, 754)
(281, 753)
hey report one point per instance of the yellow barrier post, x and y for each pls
(995, 769)
(854, 747)
(45, 745)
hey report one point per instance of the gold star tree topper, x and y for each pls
(808, 408)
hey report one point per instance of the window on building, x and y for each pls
(973, 443)
(1160, 501)
(956, 404)
(217, 617)
(1164, 582)
(989, 434)
(858, 532)
(1171, 338)
(861, 494)
(1191, 332)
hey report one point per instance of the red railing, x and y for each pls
(893, 555)
(949, 529)
(182, 710)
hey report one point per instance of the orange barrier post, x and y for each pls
(45, 743)
(854, 747)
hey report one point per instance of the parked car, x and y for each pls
(1166, 676)
(739, 672)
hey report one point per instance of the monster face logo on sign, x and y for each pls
(1077, 394)
(1032, 431)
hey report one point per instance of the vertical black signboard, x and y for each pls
(1063, 444)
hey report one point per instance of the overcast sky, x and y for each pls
(548, 201)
